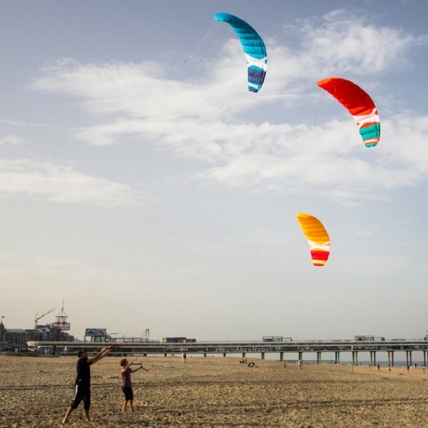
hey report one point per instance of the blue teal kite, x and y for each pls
(254, 48)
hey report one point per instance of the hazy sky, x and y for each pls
(144, 185)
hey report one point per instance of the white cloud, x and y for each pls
(341, 43)
(10, 139)
(43, 180)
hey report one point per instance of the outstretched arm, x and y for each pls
(100, 355)
(139, 368)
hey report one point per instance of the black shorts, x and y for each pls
(81, 392)
(127, 390)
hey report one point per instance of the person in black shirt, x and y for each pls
(82, 389)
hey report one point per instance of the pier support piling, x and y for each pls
(337, 357)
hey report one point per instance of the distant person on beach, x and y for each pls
(183, 357)
(126, 383)
(82, 388)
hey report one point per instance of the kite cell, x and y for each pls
(254, 49)
(317, 236)
(359, 104)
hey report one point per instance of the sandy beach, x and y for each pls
(215, 392)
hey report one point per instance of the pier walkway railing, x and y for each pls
(298, 348)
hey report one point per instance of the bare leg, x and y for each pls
(87, 417)
(67, 414)
(124, 405)
(132, 406)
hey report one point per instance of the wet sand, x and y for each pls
(214, 392)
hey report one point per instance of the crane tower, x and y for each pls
(37, 318)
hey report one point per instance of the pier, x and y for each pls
(296, 348)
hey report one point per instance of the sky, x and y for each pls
(142, 186)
